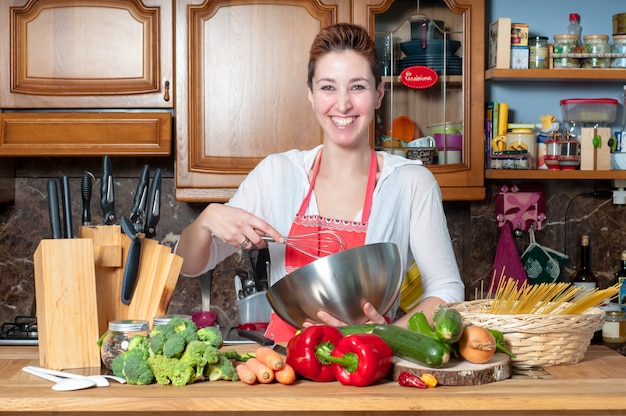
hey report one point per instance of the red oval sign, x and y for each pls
(419, 77)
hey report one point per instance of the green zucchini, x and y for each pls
(419, 323)
(357, 329)
(448, 325)
(414, 346)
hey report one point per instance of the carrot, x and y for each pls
(285, 375)
(246, 374)
(269, 357)
(261, 371)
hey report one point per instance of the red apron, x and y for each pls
(353, 233)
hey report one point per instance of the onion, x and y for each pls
(477, 345)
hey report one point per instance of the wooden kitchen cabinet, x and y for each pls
(245, 96)
(456, 98)
(86, 77)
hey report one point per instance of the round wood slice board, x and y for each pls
(460, 372)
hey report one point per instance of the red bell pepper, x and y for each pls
(306, 350)
(360, 359)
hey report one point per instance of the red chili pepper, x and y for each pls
(302, 352)
(360, 359)
(407, 379)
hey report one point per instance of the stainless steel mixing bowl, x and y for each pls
(340, 284)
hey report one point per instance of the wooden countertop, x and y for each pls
(597, 386)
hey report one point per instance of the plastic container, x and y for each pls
(254, 308)
(566, 44)
(590, 110)
(118, 336)
(596, 44)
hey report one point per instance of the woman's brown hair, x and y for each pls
(343, 37)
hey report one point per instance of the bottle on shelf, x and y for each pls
(574, 27)
(620, 277)
(584, 276)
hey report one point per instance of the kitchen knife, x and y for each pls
(66, 204)
(131, 268)
(153, 211)
(138, 210)
(260, 339)
(85, 190)
(53, 209)
(107, 200)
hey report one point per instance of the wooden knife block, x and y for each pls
(78, 283)
(67, 310)
(159, 269)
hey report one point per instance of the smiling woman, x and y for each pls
(341, 186)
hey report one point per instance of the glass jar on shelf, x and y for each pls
(566, 44)
(596, 44)
(619, 46)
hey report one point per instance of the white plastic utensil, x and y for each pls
(62, 384)
(100, 379)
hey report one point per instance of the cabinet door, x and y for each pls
(86, 54)
(455, 100)
(242, 92)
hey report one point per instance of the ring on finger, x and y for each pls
(245, 242)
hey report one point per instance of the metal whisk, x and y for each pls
(316, 244)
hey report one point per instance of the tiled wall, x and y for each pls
(473, 229)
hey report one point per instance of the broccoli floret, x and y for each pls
(198, 354)
(133, 367)
(186, 327)
(224, 369)
(174, 346)
(211, 335)
(164, 330)
(171, 370)
(155, 344)
(139, 342)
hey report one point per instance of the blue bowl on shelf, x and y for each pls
(433, 47)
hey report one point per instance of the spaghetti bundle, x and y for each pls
(545, 298)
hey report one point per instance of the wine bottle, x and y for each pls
(584, 276)
(620, 277)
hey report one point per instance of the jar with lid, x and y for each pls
(619, 46)
(566, 44)
(164, 319)
(614, 328)
(597, 44)
(538, 52)
(118, 337)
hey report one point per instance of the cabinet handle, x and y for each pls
(166, 96)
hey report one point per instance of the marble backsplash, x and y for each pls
(473, 229)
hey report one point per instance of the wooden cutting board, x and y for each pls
(459, 372)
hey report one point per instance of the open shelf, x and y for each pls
(553, 174)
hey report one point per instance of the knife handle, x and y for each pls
(107, 200)
(131, 271)
(85, 190)
(66, 203)
(138, 210)
(53, 209)
(153, 212)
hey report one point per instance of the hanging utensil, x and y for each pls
(316, 244)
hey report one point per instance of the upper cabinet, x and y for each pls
(242, 92)
(432, 54)
(86, 77)
(245, 94)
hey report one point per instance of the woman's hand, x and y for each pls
(368, 309)
(238, 227)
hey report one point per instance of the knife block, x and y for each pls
(67, 310)
(159, 269)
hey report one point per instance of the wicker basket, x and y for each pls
(537, 340)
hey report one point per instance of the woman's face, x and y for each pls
(345, 97)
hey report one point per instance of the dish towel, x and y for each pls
(507, 264)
